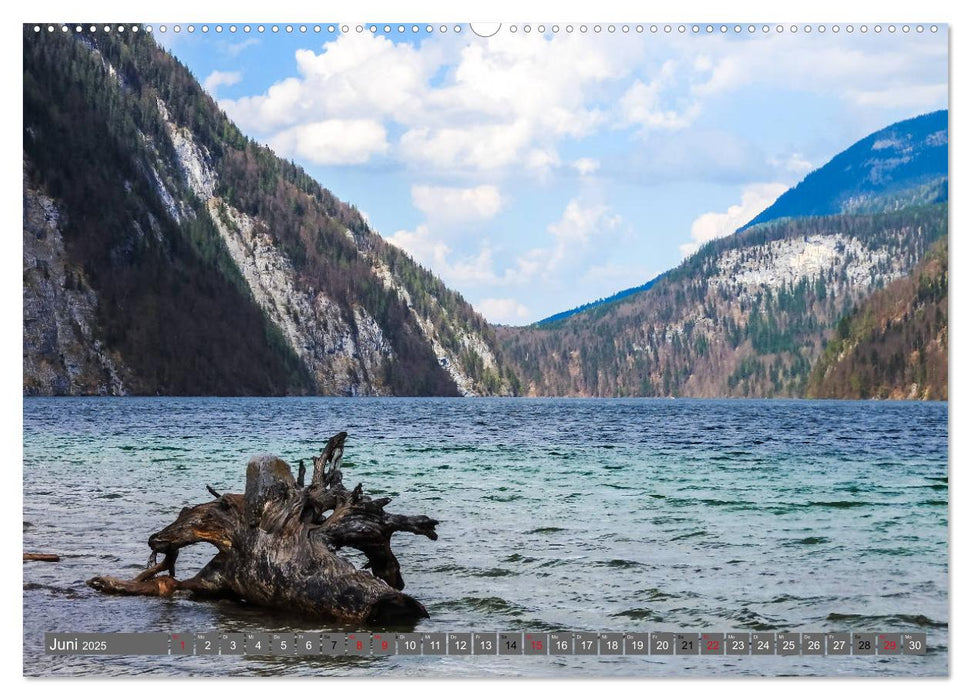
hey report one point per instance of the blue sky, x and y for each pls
(535, 172)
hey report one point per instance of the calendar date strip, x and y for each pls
(489, 644)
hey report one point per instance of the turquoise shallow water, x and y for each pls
(595, 515)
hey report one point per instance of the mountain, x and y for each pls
(894, 345)
(166, 253)
(746, 316)
(606, 301)
(749, 315)
(903, 165)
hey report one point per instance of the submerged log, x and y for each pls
(34, 556)
(278, 546)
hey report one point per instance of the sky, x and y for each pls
(534, 172)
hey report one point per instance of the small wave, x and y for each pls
(753, 620)
(56, 590)
(840, 504)
(503, 499)
(719, 503)
(653, 594)
(383, 492)
(696, 533)
(492, 604)
(546, 530)
(640, 614)
(472, 572)
(712, 503)
(933, 503)
(809, 540)
(621, 564)
(440, 449)
(449, 569)
(891, 551)
(519, 558)
(888, 620)
(555, 563)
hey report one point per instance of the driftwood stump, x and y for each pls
(34, 556)
(278, 546)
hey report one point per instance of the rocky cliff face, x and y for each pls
(62, 353)
(466, 342)
(345, 356)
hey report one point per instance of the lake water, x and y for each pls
(587, 515)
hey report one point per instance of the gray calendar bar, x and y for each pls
(523, 643)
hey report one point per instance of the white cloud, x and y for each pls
(579, 226)
(643, 104)
(218, 77)
(794, 163)
(236, 48)
(614, 277)
(434, 253)
(579, 222)
(453, 204)
(575, 239)
(466, 106)
(831, 65)
(507, 310)
(712, 225)
(333, 141)
(586, 166)
(914, 97)
(479, 105)
(472, 147)
(356, 76)
(420, 245)
(541, 161)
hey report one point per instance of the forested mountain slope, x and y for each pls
(894, 345)
(746, 316)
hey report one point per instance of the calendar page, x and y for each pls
(525, 349)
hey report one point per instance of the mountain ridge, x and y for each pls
(617, 296)
(903, 157)
(850, 182)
